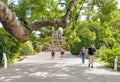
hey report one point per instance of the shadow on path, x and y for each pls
(56, 71)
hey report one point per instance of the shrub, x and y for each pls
(8, 45)
(27, 49)
(75, 48)
(109, 55)
(37, 47)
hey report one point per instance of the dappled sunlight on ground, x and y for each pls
(42, 69)
(101, 71)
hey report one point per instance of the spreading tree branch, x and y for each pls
(11, 24)
(56, 22)
(69, 10)
(77, 16)
(20, 32)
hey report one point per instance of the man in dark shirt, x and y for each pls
(91, 54)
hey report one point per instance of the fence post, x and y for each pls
(115, 63)
(5, 60)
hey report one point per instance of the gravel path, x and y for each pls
(40, 68)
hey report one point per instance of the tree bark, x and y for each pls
(11, 24)
(51, 22)
(20, 32)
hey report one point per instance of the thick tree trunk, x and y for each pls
(11, 24)
(21, 33)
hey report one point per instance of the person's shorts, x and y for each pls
(91, 57)
(53, 54)
(62, 53)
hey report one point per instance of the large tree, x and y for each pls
(22, 32)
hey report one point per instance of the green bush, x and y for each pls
(45, 46)
(8, 45)
(75, 48)
(37, 47)
(27, 49)
(109, 55)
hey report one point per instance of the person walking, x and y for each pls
(91, 54)
(53, 51)
(83, 54)
(62, 53)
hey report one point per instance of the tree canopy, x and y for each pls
(32, 11)
(93, 20)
